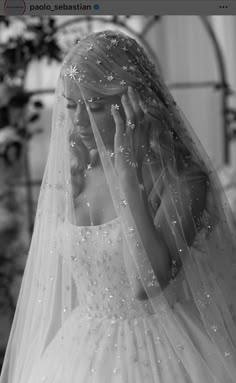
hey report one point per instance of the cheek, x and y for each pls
(71, 115)
(106, 124)
(108, 129)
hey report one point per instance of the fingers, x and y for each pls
(128, 109)
(133, 109)
(135, 102)
(134, 114)
(119, 122)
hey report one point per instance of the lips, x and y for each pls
(84, 131)
(86, 134)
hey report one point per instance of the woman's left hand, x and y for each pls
(130, 144)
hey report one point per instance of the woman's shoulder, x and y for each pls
(190, 186)
(157, 177)
(193, 174)
(190, 182)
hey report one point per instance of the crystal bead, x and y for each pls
(130, 229)
(123, 202)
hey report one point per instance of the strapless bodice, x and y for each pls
(99, 272)
(98, 269)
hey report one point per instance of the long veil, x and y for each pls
(205, 284)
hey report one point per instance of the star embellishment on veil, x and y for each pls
(110, 78)
(72, 72)
(114, 42)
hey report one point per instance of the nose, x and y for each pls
(81, 117)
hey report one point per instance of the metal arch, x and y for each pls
(223, 84)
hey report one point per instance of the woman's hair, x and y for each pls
(109, 61)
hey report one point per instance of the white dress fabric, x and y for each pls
(111, 337)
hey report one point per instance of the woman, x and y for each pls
(131, 270)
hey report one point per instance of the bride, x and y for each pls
(131, 270)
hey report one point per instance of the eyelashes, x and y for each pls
(92, 108)
(96, 108)
(70, 106)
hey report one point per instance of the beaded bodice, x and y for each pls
(103, 288)
(100, 276)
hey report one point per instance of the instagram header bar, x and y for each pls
(119, 7)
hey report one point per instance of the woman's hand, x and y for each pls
(130, 144)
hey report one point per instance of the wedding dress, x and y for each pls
(112, 338)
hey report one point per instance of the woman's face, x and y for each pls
(100, 110)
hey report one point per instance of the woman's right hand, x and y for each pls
(130, 142)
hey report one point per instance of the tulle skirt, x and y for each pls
(94, 350)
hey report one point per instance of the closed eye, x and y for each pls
(71, 106)
(96, 108)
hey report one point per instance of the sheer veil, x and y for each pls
(205, 283)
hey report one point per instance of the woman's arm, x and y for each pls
(180, 200)
(185, 202)
(152, 241)
(178, 215)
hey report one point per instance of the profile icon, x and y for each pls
(14, 7)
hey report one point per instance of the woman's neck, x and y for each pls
(93, 157)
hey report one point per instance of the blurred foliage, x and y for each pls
(33, 38)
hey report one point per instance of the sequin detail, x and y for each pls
(103, 288)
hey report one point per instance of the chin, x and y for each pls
(90, 144)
